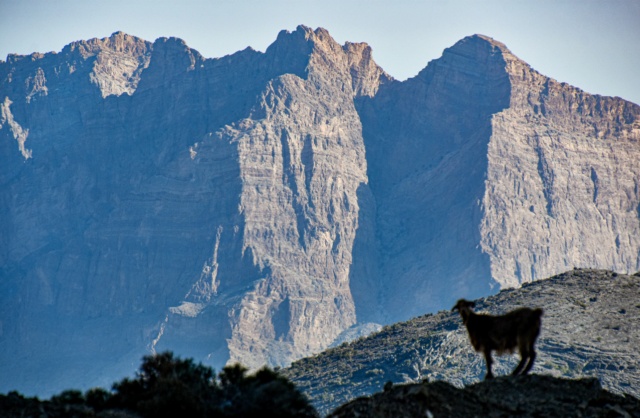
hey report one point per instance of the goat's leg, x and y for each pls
(523, 359)
(525, 354)
(532, 357)
(489, 361)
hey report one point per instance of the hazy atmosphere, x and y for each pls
(589, 44)
(274, 206)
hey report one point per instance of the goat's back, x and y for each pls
(502, 333)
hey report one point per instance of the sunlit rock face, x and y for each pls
(563, 181)
(207, 206)
(487, 174)
(259, 206)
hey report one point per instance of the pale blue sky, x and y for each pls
(594, 45)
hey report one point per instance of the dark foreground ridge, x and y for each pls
(169, 386)
(522, 396)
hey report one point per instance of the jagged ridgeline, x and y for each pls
(261, 206)
(589, 329)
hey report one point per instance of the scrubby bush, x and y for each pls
(260, 394)
(168, 386)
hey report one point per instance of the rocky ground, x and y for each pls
(589, 330)
(522, 396)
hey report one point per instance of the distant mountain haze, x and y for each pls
(257, 207)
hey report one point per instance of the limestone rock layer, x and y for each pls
(260, 206)
(487, 174)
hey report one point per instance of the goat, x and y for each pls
(502, 334)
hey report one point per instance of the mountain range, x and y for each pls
(260, 206)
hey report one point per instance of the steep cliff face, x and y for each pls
(207, 206)
(426, 144)
(487, 174)
(562, 183)
(301, 159)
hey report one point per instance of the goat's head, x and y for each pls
(464, 307)
(463, 304)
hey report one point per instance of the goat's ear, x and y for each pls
(456, 307)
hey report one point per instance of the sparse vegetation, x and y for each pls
(169, 386)
(364, 366)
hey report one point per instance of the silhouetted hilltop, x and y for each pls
(171, 387)
(522, 396)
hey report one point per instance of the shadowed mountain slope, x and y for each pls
(487, 174)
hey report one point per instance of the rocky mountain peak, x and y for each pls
(573, 141)
(308, 49)
(471, 51)
(172, 58)
(118, 42)
(120, 60)
(112, 64)
(291, 51)
(478, 37)
(366, 75)
(304, 33)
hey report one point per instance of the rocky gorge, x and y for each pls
(256, 207)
